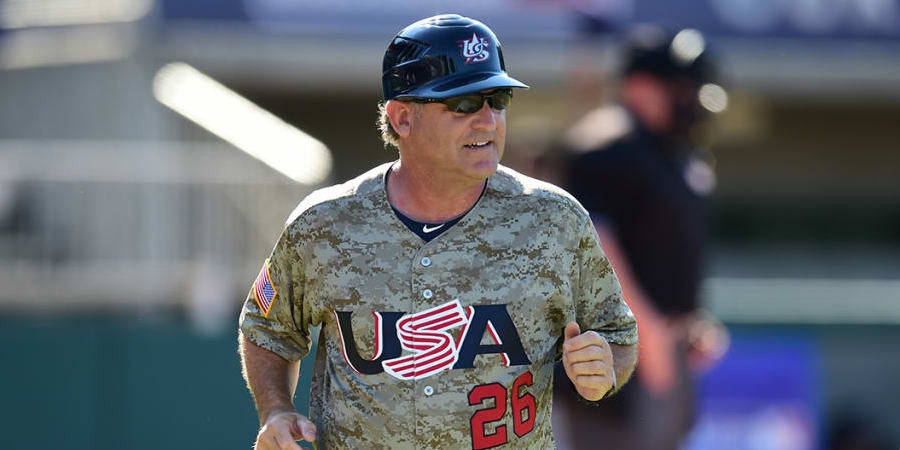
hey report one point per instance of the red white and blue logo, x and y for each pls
(418, 345)
(475, 50)
(264, 290)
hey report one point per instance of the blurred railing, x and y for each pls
(819, 301)
(134, 224)
(108, 224)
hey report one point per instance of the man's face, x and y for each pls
(686, 111)
(467, 145)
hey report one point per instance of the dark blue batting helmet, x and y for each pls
(444, 56)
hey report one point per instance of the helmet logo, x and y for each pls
(475, 49)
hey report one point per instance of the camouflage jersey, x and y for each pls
(446, 344)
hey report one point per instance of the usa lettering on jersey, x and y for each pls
(426, 335)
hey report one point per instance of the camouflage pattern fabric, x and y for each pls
(447, 344)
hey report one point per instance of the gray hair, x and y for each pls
(388, 134)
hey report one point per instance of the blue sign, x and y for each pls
(764, 395)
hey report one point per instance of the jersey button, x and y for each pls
(426, 261)
(427, 293)
(429, 390)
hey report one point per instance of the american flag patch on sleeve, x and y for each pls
(264, 290)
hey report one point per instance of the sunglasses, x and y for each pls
(471, 103)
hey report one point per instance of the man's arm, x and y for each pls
(625, 358)
(272, 381)
(595, 367)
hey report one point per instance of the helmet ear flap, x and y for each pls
(416, 72)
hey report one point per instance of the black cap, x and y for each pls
(681, 54)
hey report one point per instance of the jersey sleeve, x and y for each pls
(599, 301)
(273, 314)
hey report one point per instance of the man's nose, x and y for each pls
(484, 118)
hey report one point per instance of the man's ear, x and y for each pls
(399, 114)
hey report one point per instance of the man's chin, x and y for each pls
(485, 169)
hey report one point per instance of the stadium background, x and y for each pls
(137, 197)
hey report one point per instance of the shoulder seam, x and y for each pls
(336, 193)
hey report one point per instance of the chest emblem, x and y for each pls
(411, 346)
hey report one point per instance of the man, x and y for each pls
(635, 168)
(445, 285)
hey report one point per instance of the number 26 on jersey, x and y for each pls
(494, 398)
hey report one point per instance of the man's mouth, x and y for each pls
(479, 144)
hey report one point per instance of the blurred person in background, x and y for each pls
(637, 168)
(532, 149)
(443, 240)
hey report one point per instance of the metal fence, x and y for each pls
(86, 223)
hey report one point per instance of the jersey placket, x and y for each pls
(434, 316)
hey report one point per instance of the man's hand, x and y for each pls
(708, 340)
(588, 361)
(282, 431)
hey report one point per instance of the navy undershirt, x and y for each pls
(428, 231)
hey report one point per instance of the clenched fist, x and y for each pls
(283, 430)
(588, 361)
